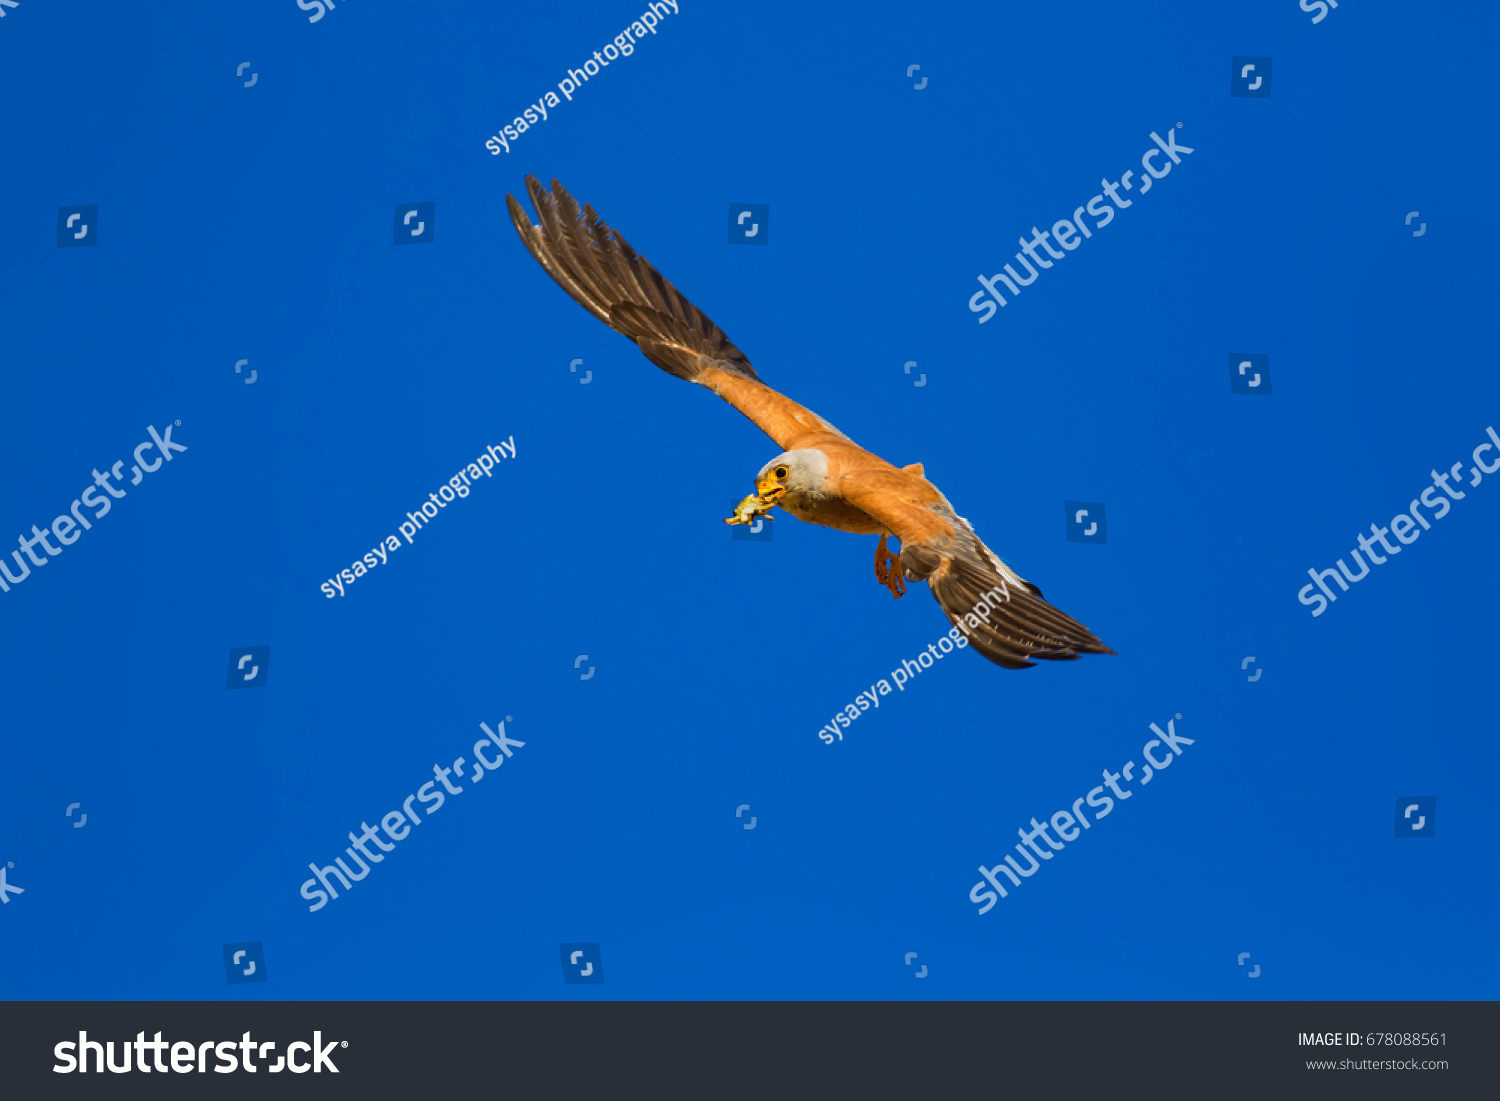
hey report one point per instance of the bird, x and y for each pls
(821, 476)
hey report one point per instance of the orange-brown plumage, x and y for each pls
(821, 476)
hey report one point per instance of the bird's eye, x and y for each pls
(780, 472)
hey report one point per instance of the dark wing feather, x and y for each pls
(1003, 616)
(599, 269)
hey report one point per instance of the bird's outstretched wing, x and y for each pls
(1002, 614)
(607, 277)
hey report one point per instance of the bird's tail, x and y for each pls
(1002, 614)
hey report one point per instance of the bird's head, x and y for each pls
(801, 473)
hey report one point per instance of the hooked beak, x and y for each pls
(767, 488)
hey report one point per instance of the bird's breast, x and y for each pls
(830, 512)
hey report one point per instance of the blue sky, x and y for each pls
(260, 224)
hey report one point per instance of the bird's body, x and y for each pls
(833, 464)
(821, 476)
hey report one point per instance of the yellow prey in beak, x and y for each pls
(751, 507)
(767, 488)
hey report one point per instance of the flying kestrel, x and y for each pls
(821, 476)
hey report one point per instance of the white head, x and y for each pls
(802, 473)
